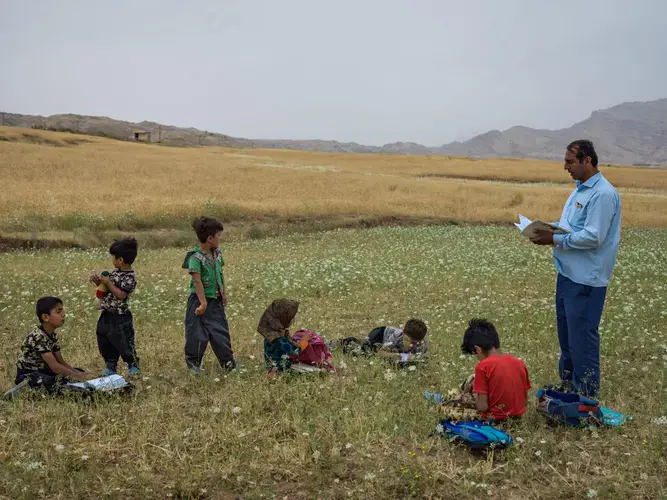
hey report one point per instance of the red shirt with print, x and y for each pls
(504, 379)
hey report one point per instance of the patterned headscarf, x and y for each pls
(277, 318)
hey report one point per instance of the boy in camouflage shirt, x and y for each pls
(41, 361)
(205, 319)
(115, 329)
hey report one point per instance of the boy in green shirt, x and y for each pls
(205, 319)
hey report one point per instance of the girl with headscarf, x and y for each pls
(274, 327)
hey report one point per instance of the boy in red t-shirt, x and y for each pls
(501, 380)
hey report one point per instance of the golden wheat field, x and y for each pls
(57, 181)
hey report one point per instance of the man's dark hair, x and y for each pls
(205, 227)
(415, 329)
(125, 249)
(45, 305)
(583, 148)
(482, 333)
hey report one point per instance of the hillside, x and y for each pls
(630, 133)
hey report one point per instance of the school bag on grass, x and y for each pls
(576, 410)
(316, 354)
(475, 434)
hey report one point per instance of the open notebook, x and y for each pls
(529, 228)
(109, 383)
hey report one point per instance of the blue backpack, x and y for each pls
(568, 408)
(579, 411)
(475, 434)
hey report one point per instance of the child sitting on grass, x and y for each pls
(41, 362)
(278, 345)
(400, 345)
(501, 382)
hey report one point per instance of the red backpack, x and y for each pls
(316, 354)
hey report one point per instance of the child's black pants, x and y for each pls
(115, 339)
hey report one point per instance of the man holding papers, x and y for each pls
(584, 257)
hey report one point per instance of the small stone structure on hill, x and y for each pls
(141, 135)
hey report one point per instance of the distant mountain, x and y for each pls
(630, 133)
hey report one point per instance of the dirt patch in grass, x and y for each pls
(257, 228)
(9, 244)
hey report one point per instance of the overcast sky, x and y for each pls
(370, 71)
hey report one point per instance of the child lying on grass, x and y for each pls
(395, 344)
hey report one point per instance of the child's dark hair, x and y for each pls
(205, 227)
(125, 249)
(45, 305)
(415, 329)
(482, 333)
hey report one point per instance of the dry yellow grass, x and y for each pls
(497, 169)
(51, 181)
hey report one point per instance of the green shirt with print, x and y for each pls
(209, 267)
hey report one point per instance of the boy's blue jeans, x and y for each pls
(578, 313)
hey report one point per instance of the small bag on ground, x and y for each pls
(576, 410)
(317, 353)
(474, 434)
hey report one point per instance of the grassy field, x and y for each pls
(364, 433)
(77, 187)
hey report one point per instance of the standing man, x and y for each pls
(584, 259)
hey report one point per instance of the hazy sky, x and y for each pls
(371, 71)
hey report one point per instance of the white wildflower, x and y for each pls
(236, 410)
